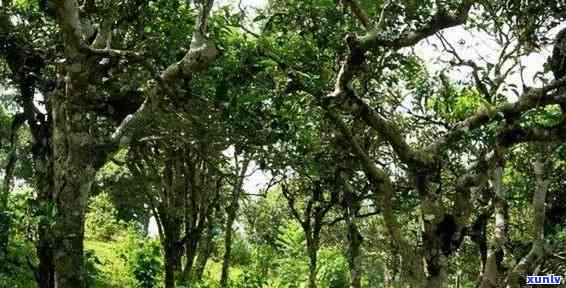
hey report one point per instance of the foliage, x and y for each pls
(204, 283)
(101, 222)
(142, 258)
(15, 270)
(249, 279)
(92, 263)
(241, 251)
(411, 115)
(333, 272)
(146, 262)
(292, 270)
(112, 270)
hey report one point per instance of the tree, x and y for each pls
(334, 99)
(241, 168)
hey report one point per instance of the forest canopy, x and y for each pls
(282, 143)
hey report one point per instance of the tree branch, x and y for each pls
(508, 111)
(539, 202)
(440, 21)
(201, 53)
(358, 12)
(359, 216)
(70, 25)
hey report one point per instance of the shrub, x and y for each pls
(143, 258)
(91, 266)
(146, 265)
(101, 223)
(333, 268)
(241, 253)
(204, 283)
(249, 279)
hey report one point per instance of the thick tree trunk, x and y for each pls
(169, 235)
(171, 244)
(74, 173)
(170, 265)
(442, 231)
(46, 265)
(73, 167)
(73, 152)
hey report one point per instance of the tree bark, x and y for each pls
(526, 264)
(491, 273)
(227, 249)
(191, 253)
(205, 250)
(46, 264)
(171, 212)
(44, 247)
(171, 246)
(350, 206)
(231, 217)
(5, 218)
(74, 173)
(312, 247)
(170, 264)
(479, 237)
(354, 257)
(207, 244)
(392, 267)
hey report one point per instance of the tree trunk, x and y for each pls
(46, 265)
(5, 219)
(350, 205)
(526, 265)
(74, 153)
(392, 267)
(491, 273)
(44, 179)
(170, 265)
(231, 217)
(312, 251)
(354, 260)
(227, 248)
(191, 253)
(171, 245)
(206, 249)
(45, 242)
(74, 174)
(169, 234)
(479, 237)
